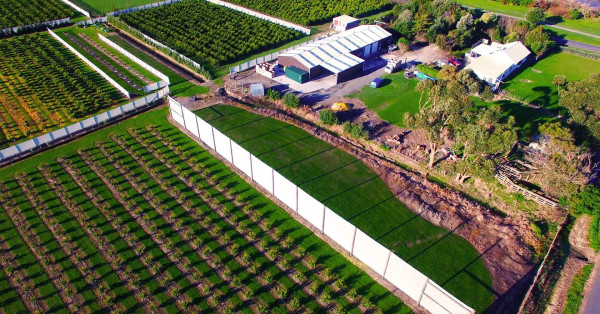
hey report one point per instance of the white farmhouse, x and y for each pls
(494, 62)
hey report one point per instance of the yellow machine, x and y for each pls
(340, 106)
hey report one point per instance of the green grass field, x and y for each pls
(396, 97)
(575, 293)
(179, 85)
(230, 269)
(534, 82)
(355, 192)
(100, 7)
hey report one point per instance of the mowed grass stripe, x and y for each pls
(9, 300)
(355, 192)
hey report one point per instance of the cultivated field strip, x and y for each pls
(134, 223)
(43, 86)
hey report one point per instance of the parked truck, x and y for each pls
(393, 65)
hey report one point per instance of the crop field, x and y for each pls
(140, 218)
(100, 7)
(395, 97)
(125, 72)
(25, 12)
(209, 34)
(312, 12)
(352, 190)
(534, 82)
(179, 85)
(43, 86)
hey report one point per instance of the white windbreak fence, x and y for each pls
(380, 259)
(80, 10)
(22, 28)
(262, 16)
(101, 119)
(135, 59)
(93, 66)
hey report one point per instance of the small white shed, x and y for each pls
(344, 23)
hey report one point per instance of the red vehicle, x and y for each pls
(454, 62)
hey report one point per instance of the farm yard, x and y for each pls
(312, 12)
(125, 72)
(154, 222)
(395, 97)
(534, 83)
(24, 12)
(209, 34)
(43, 86)
(352, 190)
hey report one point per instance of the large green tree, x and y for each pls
(582, 99)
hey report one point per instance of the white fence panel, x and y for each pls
(262, 174)
(405, 277)
(437, 300)
(27, 145)
(74, 128)
(311, 209)
(190, 122)
(175, 106)
(21, 28)
(58, 134)
(9, 152)
(71, 4)
(223, 144)
(88, 123)
(91, 65)
(241, 159)
(370, 252)
(178, 118)
(128, 107)
(285, 191)
(113, 113)
(102, 117)
(43, 139)
(339, 229)
(206, 133)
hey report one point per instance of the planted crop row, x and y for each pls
(25, 12)
(44, 86)
(133, 222)
(310, 12)
(208, 33)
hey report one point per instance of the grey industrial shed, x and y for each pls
(341, 54)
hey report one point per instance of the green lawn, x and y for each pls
(179, 85)
(495, 6)
(574, 36)
(396, 97)
(100, 7)
(354, 191)
(534, 83)
(264, 209)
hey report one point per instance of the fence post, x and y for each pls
(353, 240)
(387, 264)
(230, 150)
(323, 224)
(423, 291)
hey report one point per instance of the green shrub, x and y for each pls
(291, 100)
(355, 130)
(328, 117)
(575, 14)
(273, 94)
(427, 70)
(487, 94)
(593, 233)
(575, 293)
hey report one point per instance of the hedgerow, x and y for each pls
(310, 12)
(208, 33)
(24, 12)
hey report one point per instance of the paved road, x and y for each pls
(593, 300)
(562, 41)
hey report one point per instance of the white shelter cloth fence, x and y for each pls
(380, 259)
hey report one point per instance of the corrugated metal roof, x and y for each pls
(333, 52)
